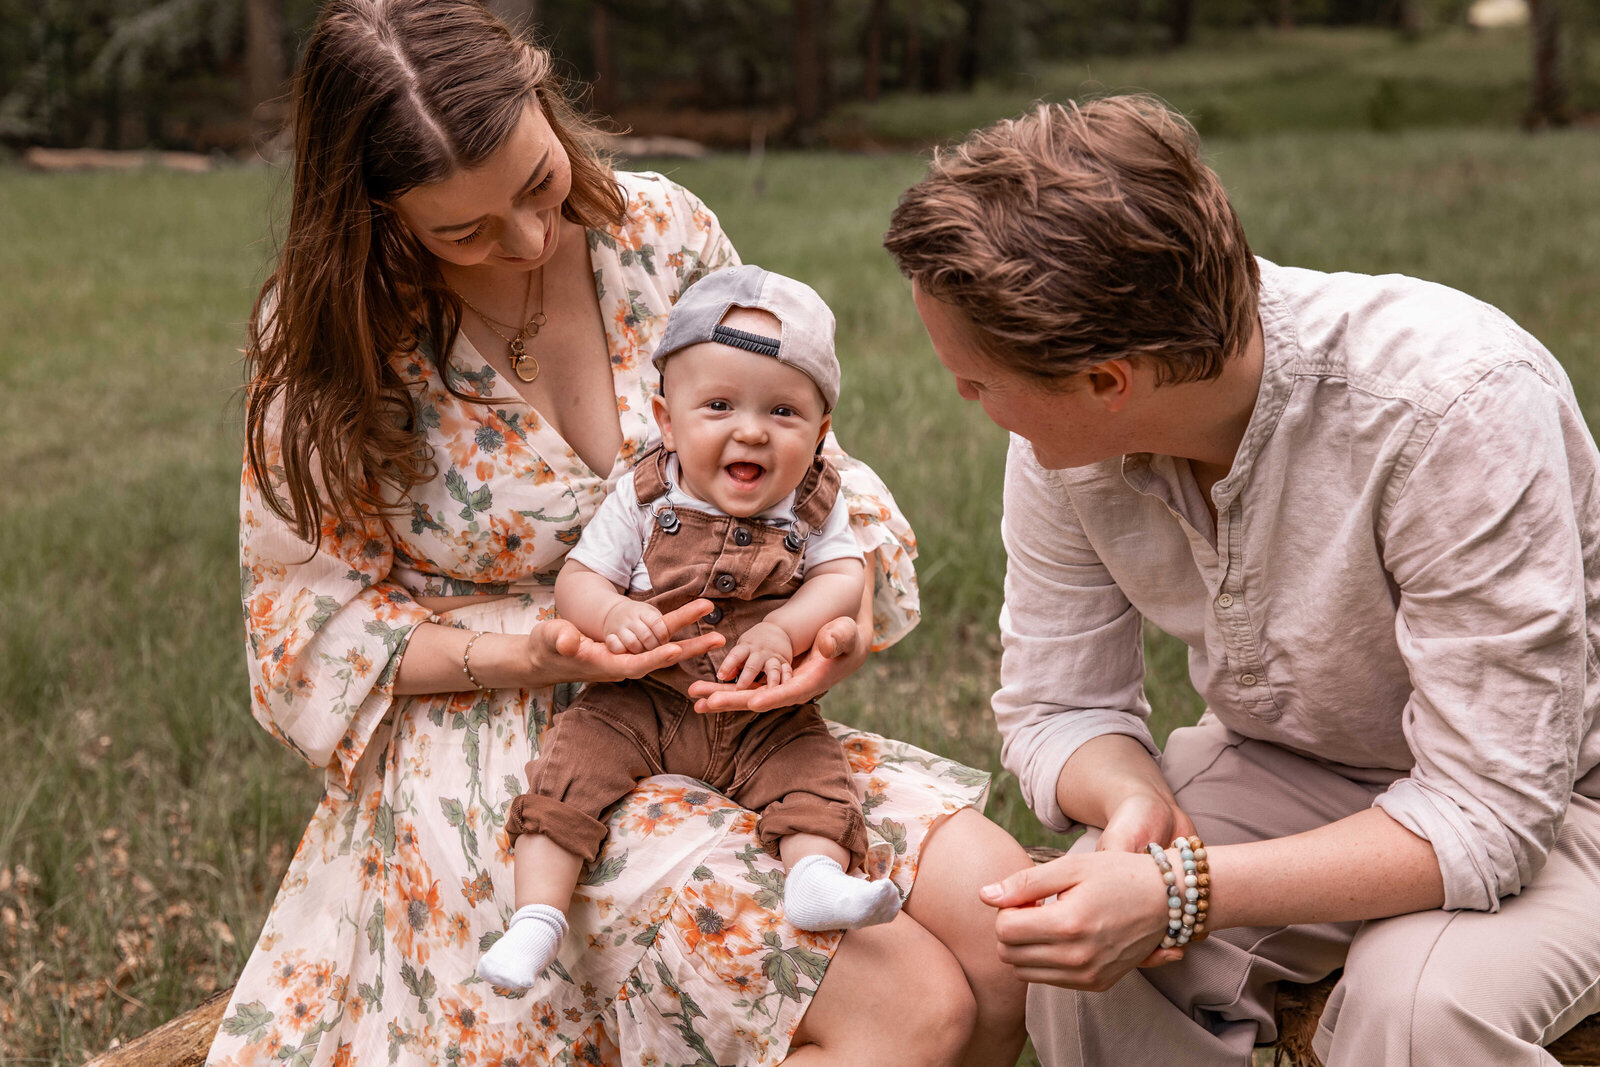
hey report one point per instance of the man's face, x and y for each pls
(1066, 423)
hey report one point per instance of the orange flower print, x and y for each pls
(476, 890)
(717, 922)
(463, 1016)
(417, 917)
(675, 260)
(864, 753)
(361, 663)
(458, 929)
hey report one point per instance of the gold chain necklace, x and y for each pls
(531, 328)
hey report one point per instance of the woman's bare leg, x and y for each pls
(892, 997)
(961, 855)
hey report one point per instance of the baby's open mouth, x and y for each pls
(744, 472)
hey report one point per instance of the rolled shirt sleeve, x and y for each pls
(1072, 662)
(325, 630)
(1483, 543)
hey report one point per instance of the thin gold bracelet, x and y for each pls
(466, 664)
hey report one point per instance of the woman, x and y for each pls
(450, 367)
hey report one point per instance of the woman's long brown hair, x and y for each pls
(390, 94)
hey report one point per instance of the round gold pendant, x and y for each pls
(529, 375)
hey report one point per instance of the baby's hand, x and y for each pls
(763, 649)
(634, 626)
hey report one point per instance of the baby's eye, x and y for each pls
(784, 411)
(720, 405)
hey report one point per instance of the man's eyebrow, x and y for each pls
(537, 167)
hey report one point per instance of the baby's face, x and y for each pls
(744, 425)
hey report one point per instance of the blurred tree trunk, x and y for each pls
(1408, 19)
(872, 50)
(1549, 105)
(1283, 15)
(807, 71)
(911, 68)
(1180, 22)
(265, 67)
(825, 17)
(605, 63)
(967, 66)
(520, 15)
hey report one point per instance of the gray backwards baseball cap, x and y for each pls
(807, 324)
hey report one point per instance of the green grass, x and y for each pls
(147, 820)
(1249, 85)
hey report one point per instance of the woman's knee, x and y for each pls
(893, 995)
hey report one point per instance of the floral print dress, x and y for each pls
(679, 953)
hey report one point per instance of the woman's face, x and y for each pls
(502, 215)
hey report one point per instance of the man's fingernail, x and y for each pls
(989, 892)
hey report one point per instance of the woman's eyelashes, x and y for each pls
(544, 184)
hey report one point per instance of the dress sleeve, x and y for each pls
(325, 629)
(1072, 652)
(888, 543)
(1483, 542)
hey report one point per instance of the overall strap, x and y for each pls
(650, 475)
(814, 499)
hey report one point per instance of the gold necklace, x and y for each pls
(531, 328)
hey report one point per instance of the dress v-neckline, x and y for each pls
(544, 426)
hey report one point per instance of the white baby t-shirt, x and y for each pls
(613, 543)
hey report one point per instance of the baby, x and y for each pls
(737, 506)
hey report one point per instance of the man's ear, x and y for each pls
(1112, 383)
(663, 417)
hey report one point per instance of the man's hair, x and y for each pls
(1077, 234)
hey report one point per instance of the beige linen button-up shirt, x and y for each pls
(1402, 580)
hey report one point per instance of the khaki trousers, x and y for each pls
(1455, 989)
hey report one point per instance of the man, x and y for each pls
(1371, 509)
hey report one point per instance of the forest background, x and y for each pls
(145, 820)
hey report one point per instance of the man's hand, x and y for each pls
(764, 649)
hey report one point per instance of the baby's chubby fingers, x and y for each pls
(733, 663)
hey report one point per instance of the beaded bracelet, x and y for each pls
(1174, 901)
(466, 664)
(1202, 884)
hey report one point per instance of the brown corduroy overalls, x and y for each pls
(782, 763)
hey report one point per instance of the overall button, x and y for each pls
(1247, 679)
(668, 520)
(713, 616)
(793, 541)
(1225, 600)
(741, 536)
(725, 582)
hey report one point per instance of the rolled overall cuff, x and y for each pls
(580, 834)
(807, 813)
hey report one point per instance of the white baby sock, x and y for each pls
(819, 895)
(530, 943)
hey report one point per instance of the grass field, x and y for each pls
(146, 819)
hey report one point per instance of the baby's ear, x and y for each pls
(822, 431)
(658, 408)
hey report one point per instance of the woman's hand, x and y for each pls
(1109, 916)
(838, 650)
(557, 651)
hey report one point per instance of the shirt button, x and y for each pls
(1247, 679)
(726, 582)
(1225, 600)
(712, 617)
(741, 536)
